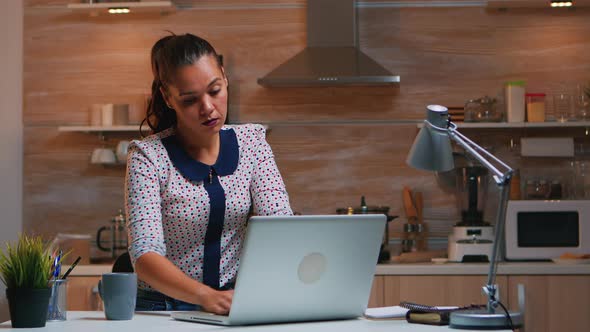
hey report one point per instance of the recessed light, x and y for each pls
(119, 10)
(558, 4)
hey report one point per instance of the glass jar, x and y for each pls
(482, 110)
(544, 189)
(562, 106)
(535, 107)
(529, 189)
(537, 189)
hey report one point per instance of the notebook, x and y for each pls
(302, 268)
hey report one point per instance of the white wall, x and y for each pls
(11, 128)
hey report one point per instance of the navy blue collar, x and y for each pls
(194, 170)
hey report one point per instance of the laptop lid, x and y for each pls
(303, 268)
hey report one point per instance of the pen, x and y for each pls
(71, 267)
(58, 265)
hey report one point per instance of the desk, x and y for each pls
(94, 321)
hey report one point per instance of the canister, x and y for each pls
(535, 107)
(514, 94)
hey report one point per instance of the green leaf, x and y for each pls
(27, 264)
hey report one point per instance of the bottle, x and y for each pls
(514, 95)
(364, 207)
(515, 186)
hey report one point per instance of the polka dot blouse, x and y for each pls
(168, 205)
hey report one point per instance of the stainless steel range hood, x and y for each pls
(332, 56)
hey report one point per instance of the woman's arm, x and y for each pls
(269, 194)
(164, 276)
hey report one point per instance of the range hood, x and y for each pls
(332, 56)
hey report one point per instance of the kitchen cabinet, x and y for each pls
(553, 302)
(435, 290)
(377, 295)
(83, 293)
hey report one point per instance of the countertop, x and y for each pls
(504, 268)
(91, 321)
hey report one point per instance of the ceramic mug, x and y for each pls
(118, 292)
(121, 151)
(103, 156)
(107, 115)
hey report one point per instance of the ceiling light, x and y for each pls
(119, 10)
(556, 4)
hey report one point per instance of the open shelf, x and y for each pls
(532, 4)
(104, 129)
(133, 6)
(97, 129)
(569, 124)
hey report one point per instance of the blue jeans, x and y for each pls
(156, 301)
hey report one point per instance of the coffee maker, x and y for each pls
(116, 243)
(472, 238)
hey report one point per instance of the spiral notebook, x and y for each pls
(432, 315)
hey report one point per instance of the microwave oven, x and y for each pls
(541, 230)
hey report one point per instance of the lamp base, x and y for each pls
(483, 320)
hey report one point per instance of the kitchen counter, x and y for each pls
(89, 270)
(505, 268)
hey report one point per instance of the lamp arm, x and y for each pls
(498, 238)
(478, 153)
(503, 179)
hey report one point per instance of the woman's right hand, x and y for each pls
(217, 302)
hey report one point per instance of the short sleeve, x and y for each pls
(143, 203)
(267, 188)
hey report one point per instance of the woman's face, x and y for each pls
(199, 96)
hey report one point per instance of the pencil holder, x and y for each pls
(58, 304)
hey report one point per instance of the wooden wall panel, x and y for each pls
(332, 144)
(64, 192)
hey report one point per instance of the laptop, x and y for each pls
(302, 268)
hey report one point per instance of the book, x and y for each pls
(386, 312)
(432, 315)
(430, 318)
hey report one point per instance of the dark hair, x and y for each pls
(167, 56)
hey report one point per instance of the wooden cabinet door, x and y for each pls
(83, 293)
(376, 298)
(440, 290)
(553, 303)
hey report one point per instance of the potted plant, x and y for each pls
(25, 270)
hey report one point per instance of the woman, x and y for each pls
(191, 185)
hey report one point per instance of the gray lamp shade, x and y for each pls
(431, 150)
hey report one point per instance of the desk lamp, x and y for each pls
(432, 151)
